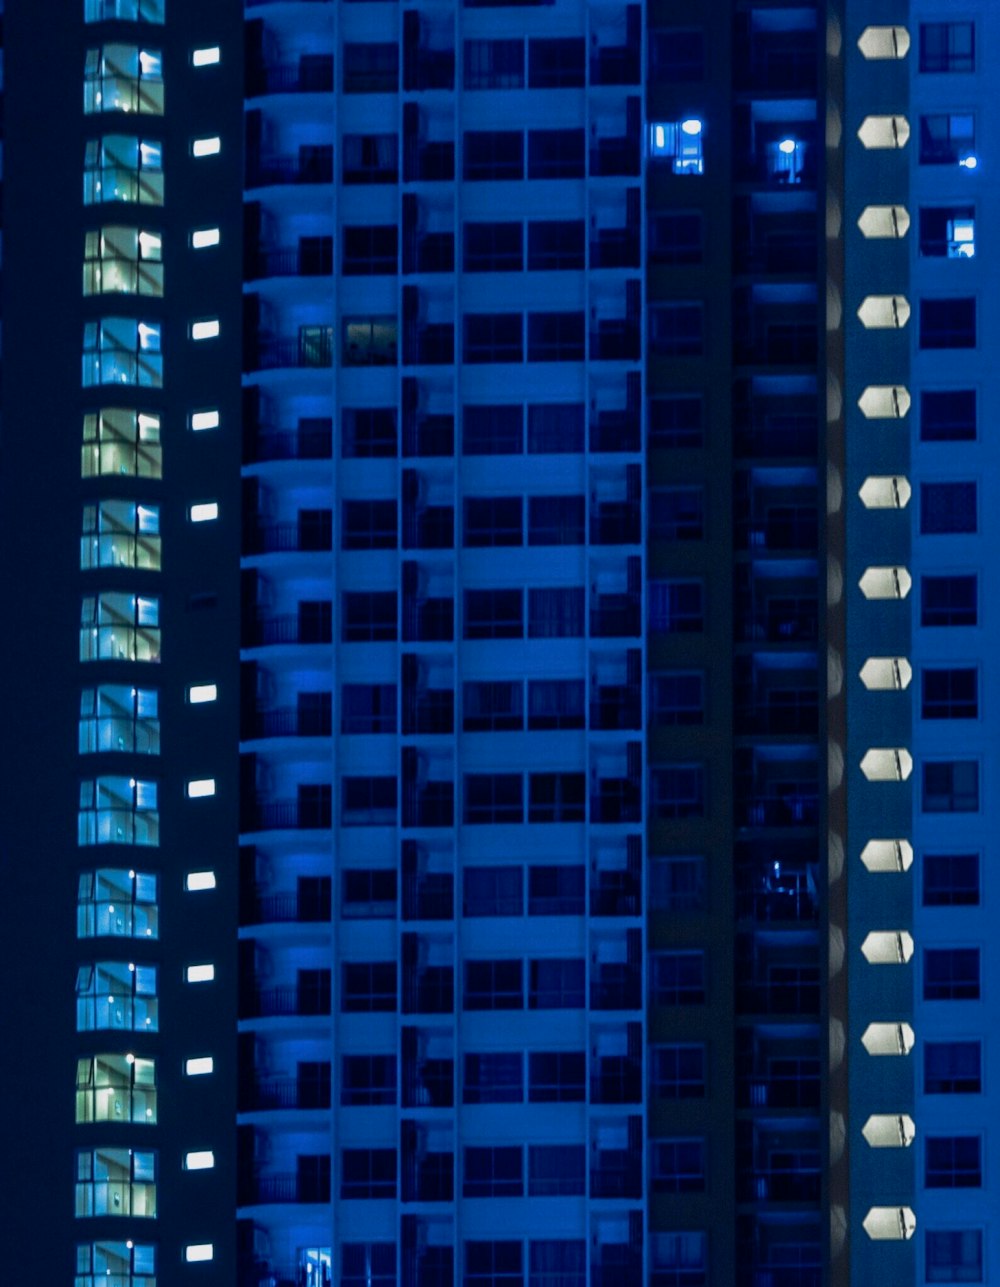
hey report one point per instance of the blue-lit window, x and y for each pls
(786, 159)
(130, 1264)
(951, 786)
(493, 1172)
(948, 232)
(118, 996)
(122, 351)
(950, 880)
(948, 415)
(953, 1067)
(120, 534)
(947, 46)
(116, 1088)
(118, 811)
(948, 138)
(679, 142)
(115, 903)
(124, 261)
(116, 626)
(494, 1078)
(121, 167)
(117, 717)
(126, 10)
(954, 1162)
(123, 78)
(951, 973)
(953, 1256)
(115, 1182)
(678, 1166)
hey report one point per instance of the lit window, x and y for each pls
(204, 420)
(785, 160)
(117, 626)
(199, 1161)
(207, 330)
(103, 1262)
(118, 717)
(121, 167)
(196, 1251)
(199, 973)
(679, 142)
(206, 147)
(200, 787)
(124, 261)
(118, 811)
(204, 513)
(121, 441)
(123, 78)
(115, 1182)
(116, 1088)
(127, 10)
(122, 351)
(116, 995)
(207, 57)
(200, 1067)
(196, 881)
(114, 903)
(204, 237)
(120, 534)
(198, 693)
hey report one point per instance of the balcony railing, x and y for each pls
(269, 1003)
(289, 629)
(310, 258)
(311, 75)
(289, 721)
(264, 444)
(288, 538)
(275, 1093)
(286, 908)
(265, 172)
(290, 815)
(291, 351)
(263, 1189)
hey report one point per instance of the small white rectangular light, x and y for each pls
(207, 57)
(206, 147)
(199, 973)
(206, 330)
(199, 1067)
(198, 693)
(199, 788)
(204, 420)
(196, 881)
(206, 512)
(199, 1161)
(202, 238)
(196, 1251)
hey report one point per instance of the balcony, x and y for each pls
(312, 74)
(616, 1174)
(289, 815)
(272, 1094)
(290, 1000)
(785, 990)
(312, 257)
(263, 1190)
(312, 165)
(616, 1080)
(310, 534)
(312, 350)
(290, 721)
(289, 629)
(781, 528)
(785, 1083)
(289, 908)
(774, 892)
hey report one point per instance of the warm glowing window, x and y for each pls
(121, 440)
(116, 1088)
(123, 261)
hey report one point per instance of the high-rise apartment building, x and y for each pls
(489, 712)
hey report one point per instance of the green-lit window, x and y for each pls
(120, 534)
(123, 441)
(123, 261)
(117, 626)
(116, 1088)
(125, 1264)
(123, 78)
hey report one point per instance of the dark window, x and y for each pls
(678, 1166)
(368, 1079)
(951, 974)
(371, 68)
(493, 891)
(368, 1173)
(678, 1072)
(368, 708)
(493, 797)
(676, 607)
(493, 1264)
(368, 616)
(370, 251)
(493, 985)
(493, 337)
(953, 1068)
(557, 64)
(947, 508)
(948, 415)
(677, 883)
(556, 244)
(677, 514)
(947, 138)
(556, 427)
(948, 232)
(368, 801)
(949, 601)
(492, 520)
(556, 891)
(369, 893)
(493, 154)
(493, 430)
(557, 520)
(954, 1162)
(676, 237)
(678, 791)
(556, 154)
(494, 64)
(493, 706)
(494, 1078)
(368, 432)
(368, 525)
(947, 47)
(557, 1077)
(950, 694)
(676, 698)
(676, 421)
(555, 337)
(677, 978)
(951, 786)
(676, 330)
(370, 158)
(493, 247)
(950, 880)
(494, 614)
(676, 54)
(557, 984)
(368, 1264)
(557, 1170)
(556, 703)
(368, 987)
(557, 797)
(954, 1256)
(557, 612)
(561, 1262)
(493, 1172)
